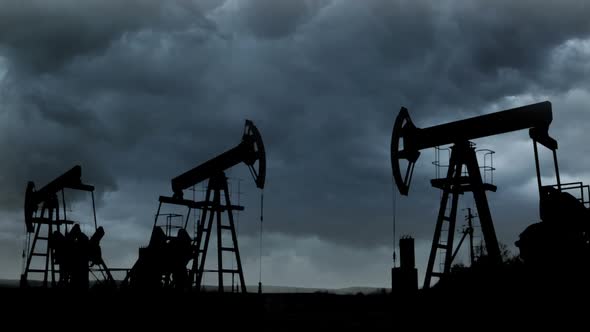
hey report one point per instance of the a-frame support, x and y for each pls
(217, 201)
(456, 183)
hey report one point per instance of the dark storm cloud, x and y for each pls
(45, 35)
(140, 91)
(275, 19)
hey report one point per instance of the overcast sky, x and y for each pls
(137, 92)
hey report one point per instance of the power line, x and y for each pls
(394, 207)
(260, 243)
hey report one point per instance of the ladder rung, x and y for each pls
(442, 246)
(36, 271)
(38, 254)
(47, 221)
(447, 218)
(437, 274)
(227, 249)
(229, 271)
(42, 238)
(225, 227)
(222, 271)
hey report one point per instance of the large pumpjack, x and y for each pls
(59, 251)
(407, 141)
(163, 263)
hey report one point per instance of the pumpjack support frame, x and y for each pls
(213, 209)
(455, 184)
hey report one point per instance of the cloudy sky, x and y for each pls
(138, 91)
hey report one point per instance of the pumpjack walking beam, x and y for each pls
(407, 140)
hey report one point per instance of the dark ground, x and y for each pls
(445, 308)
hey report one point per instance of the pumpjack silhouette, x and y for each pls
(59, 250)
(562, 235)
(163, 263)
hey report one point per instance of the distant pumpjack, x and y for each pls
(407, 140)
(71, 254)
(164, 261)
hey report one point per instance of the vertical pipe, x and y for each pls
(492, 169)
(94, 211)
(63, 200)
(217, 208)
(260, 245)
(538, 168)
(188, 214)
(157, 214)
(556, 170)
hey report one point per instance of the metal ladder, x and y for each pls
(50, 266)
(213, 210)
